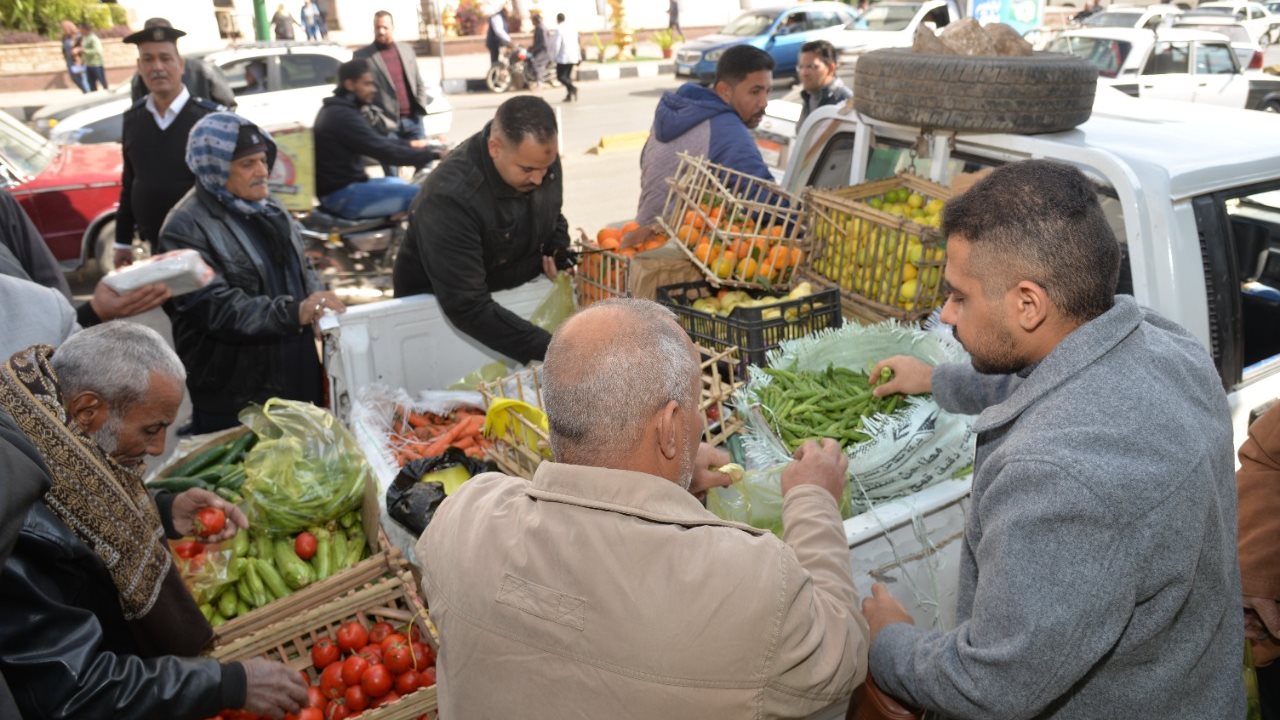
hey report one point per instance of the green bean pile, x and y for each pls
(802, 405)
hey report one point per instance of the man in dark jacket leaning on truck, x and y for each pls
(489, 219)
(345, 137)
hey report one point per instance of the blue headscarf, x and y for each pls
(209, 150)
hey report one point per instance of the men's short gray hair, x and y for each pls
(115, 360)
(597, 403)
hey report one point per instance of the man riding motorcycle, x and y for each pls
(345, 135)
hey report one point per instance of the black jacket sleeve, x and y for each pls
(360, 137)
(453, 259)
(219, 309)
(26, 479)
(124, 214)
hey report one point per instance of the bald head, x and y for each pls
(610, 371)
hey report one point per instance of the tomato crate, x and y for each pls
(880, 242)
(754, 331)
(739, 230)
(393, 600)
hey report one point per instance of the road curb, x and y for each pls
(621, 141)
(454, 86)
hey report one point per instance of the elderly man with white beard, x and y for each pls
(603, 588)
(94, 619)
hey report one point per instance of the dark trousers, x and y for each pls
(494, 50)
(1269, 690)
(564, 73)
(408, 128)
(96, 75)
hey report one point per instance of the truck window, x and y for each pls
(1168, 58)
(834, 166)
(1240, 241)
(1214, 59)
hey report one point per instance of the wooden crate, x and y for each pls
(392, 599)
(522, 448)
(600, 275)
(886, 266)
(720, 379)
(739, 230)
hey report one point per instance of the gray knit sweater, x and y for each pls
(1098, 576)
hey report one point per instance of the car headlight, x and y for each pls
(712, 56)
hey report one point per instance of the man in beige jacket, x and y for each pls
(603, 588)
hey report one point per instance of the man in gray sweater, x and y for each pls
(1098, 577)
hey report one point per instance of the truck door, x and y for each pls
(1166, 74)
(1218, 78)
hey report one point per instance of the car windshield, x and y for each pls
(1235, 33)
(749, 24)
(887, 17)
(1215, 11)
(29, 153)
(1106, 55)
(1113, 19)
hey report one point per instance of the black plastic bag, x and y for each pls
(413, 503)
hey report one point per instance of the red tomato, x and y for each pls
(385, 699)
(305, 545)
(379, 632)
(290, 716)
(393, 639)
(372, 653)
(188, 549)
(356, 699)
(315, 699)
(423, 656)
(311, 713)
(352, 637)
(324, 653)
(375, 681)
(210, 521)
(331, 682)
(397, 658)
(427, 677)
(352, 668)
(338, 710)
(406, 682)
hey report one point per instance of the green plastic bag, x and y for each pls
(557, 306)
(305, 470)
(482, 375)
(756, 500)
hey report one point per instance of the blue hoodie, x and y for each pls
(694, 120)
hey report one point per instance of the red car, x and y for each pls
(71, 192)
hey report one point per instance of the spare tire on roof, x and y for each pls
(1039, 93)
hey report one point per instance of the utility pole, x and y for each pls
(261, 23)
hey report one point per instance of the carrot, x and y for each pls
(466, 443)
(418, 421)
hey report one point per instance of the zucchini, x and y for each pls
(227, 603)
(296, 573)
(271, 579)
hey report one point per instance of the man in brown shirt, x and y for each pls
(1258, 544)
(402, 94)
(604, 589)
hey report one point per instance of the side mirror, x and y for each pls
(931, 25)
(782, 30)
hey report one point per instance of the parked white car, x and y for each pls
(1246, 47)
(892, 24)
(1263, 27)
(1133, 16)
(295, 78)
(1174, 64)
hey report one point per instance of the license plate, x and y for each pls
(770, 151)
(684, 69)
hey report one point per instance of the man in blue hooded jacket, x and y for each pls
(712, 122)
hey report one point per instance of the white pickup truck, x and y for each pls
(1196, 207)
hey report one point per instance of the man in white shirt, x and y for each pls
(154, 140)
(568, 54)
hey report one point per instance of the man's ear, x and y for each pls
(88, 410)
(724, 91)
(669, 430)
(1032, 305)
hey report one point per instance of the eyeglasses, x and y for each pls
(811, 66)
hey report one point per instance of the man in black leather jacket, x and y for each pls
(247, 335)
(68, 646)
(488, 219)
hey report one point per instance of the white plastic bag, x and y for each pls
(183, 271)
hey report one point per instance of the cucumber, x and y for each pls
(202, 461)
(177, 483)
(239, 447)
(230, 496)
(232, 479)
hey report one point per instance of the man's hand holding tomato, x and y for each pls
(187, 509)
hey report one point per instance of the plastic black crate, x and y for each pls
(746, 328)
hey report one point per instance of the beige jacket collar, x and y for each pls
(622, 491)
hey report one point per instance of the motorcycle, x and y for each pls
(357, 253)
(515, 69)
